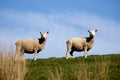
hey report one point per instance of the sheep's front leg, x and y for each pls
(35, 55)
(85, 51)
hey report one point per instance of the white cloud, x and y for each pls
(62, 26)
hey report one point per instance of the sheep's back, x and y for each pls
(77, 43)
(28, 44)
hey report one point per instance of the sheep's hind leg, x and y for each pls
(69, 46)
(22, 55)
(16, 54)
(71, 53)
(68, 51)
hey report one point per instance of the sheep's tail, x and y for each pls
(67, 42)
(18, 42)
(15, 43)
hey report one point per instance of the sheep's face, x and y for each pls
(44, 35)
(92, 32)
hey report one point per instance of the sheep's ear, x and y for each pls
(40, 32)
(47, 31)
(96, 30)
(89, 31)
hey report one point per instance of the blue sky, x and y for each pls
(63, 19)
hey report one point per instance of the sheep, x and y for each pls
(80, 44)
(30, 46)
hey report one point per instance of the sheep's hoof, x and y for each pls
(34, 60)
(66, 57)
(85, 56)
(73, 57)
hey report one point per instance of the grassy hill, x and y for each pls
(105, 67)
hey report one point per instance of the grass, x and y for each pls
(105, 67)
(97, 67)
(9, 69)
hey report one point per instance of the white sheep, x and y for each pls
(80, 44)
(30, 46)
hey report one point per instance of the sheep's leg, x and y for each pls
(85, 51)
(67, 54)
(68, 48)
(35, 55)
(68, 51)
(22, 55)
(16, 54)
(71, 53)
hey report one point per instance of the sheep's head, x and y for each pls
(44, 35)
(92, 32)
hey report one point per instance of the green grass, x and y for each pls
(105, 67)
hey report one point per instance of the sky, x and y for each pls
(64, 19)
